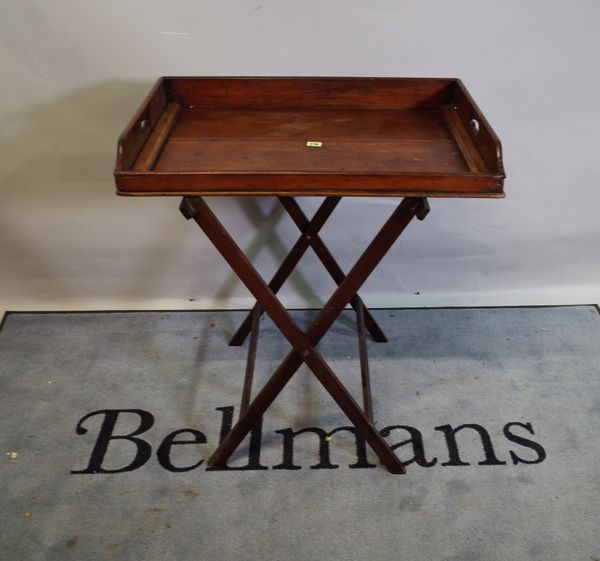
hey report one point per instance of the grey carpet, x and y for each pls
(520, 482)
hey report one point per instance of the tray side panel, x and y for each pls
(140, 127)
(153, 147)
(479, 129)
(463, 140)
(310, 93)
(306, 184)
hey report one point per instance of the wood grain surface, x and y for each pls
(309, 136)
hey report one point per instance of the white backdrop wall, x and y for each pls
(73, 72)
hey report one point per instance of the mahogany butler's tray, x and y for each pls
(411, 138)
(309, 136)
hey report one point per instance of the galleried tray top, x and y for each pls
(309, 136)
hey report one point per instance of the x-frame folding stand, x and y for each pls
(304, 342)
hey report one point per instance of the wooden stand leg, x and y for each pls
(310, 238)
(308, 230)
(247, 391)
(365, 375)
(304, 343)
(337, 274)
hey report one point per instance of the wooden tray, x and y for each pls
(309, 136)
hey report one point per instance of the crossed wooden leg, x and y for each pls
(303, 343)
(309, 238)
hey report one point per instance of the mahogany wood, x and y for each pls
(289, 263)
(139, 128)
(331, 265)
(310, 237)
(309, 92)
(157, 139)
(486, 140)
(331, 137)
(468, 150)
(303, 343)
(251, 361)
(365, 374)
(248, 136)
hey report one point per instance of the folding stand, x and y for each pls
(304, 343)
